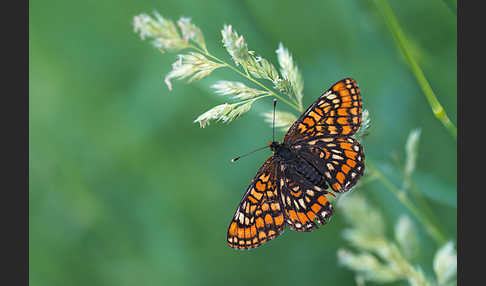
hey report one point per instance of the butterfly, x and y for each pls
(316, 154)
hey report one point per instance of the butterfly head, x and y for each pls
(274, 146)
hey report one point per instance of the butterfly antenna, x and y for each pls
(273, 136)
(244, 155)
(273, 124)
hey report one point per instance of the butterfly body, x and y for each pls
(286, 155)
(282, 151)
(317, 154)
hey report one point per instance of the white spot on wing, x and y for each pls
(301, 202)
(337, 157)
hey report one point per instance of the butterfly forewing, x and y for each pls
(259, 217)
(337, 112)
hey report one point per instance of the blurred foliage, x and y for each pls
(126, 190)
(383, 260)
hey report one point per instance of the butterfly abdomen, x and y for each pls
(310, 173)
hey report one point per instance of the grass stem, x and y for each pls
(433, 230)
(399, 36)
(246, 75)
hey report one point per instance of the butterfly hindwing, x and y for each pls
(339, 160)
(259, 217)
(337, 112)
(304, 202)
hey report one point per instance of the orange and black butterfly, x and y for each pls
(317, 152)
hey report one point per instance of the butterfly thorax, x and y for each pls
(282, 151)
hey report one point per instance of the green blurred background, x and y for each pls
(126, 190)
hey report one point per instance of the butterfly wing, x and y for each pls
(259, 217)
(339, 160)
(303, 201)
(337, 112)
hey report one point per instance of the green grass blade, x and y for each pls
(399, 36)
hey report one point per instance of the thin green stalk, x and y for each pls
(253, 99)
(261, 85)
(430, 228)
(399, 36)
(419, 198)
(417, 195)
(246, 75)
(424, 205)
